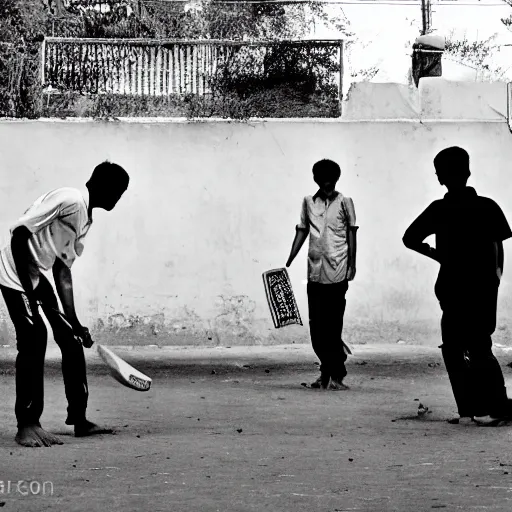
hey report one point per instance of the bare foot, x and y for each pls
(88, 428)
(34, 436)
(46, 437)
(27, 436)
(337, 385)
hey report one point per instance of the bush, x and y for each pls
(21, 33)
(283, 82)
(275, 80)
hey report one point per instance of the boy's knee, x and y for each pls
(68, 343)
(65, 338)
(31, 334)
(453, 355)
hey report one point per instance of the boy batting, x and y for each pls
(49, 236)
(469, 231)
(328, 218)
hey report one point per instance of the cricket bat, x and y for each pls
(124, 373)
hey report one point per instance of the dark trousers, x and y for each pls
(31, 337)
(326, 304)
(474, 372)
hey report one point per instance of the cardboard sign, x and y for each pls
(280, 298)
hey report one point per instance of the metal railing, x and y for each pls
(163, 67)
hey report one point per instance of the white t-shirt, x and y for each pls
(58, 221)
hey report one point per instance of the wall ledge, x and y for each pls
(251, 121)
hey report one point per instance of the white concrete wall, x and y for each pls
(435, 98)
(212, 205)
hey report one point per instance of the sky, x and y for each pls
(389, 31)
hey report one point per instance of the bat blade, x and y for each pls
(124, 373)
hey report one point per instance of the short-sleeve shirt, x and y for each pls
(466, 227)
(327, 221)
(58, 222)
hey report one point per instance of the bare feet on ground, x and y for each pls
(34, 436)
(88, 428)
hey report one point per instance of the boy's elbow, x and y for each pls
(60, 270)
(407, 241)
(301, 232)
(63, 281)
(19, 241)
(20, 235)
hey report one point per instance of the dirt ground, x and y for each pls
(215, 435)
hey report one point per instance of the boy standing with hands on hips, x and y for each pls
(329, 219)
(469, 230)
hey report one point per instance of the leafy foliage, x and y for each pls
(282, 81)
(22, 22)
(198, 19)
(478, 54)
(296, 76)
(249, 74)
(508, 20)
(22, 28)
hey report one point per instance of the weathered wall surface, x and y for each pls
(213, 205)
(435, 98)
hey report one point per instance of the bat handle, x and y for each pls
(90, 341)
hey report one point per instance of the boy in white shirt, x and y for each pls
(329, 219)
(49, 236)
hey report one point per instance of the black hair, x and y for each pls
(109, 174)
(326, 170)
(453, 164)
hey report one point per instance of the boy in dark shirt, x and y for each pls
(469, 232)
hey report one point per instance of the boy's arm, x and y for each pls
(64, 285)
(500, 258)
(351, 238)
(352, 251)
(422, 248)
(301, 235)
(22, 258)
(416, 233)
(499, 231)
